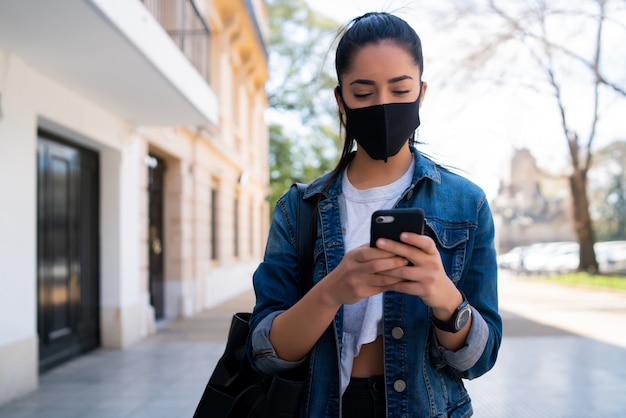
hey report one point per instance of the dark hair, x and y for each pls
(371, 28)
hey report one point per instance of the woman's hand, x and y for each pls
(361, 273)
(426, 278)
(364, 272)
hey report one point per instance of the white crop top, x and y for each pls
(362, 321)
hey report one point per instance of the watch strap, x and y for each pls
(451, 324)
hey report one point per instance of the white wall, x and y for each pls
(18, 342)
(17, 209)
(122, 309)
(30, 100)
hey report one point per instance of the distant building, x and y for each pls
(133, 170)
(532, 205)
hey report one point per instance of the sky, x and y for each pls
(473, 128)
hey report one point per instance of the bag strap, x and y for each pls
(306, 233)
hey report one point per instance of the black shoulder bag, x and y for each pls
(235, 390)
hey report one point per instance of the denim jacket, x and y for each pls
(422, 378)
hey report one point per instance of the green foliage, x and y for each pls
(304, 140)
(585, 279)
(300, 61)
(607, 184)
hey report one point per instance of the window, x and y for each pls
(251, 228)
(236, 228)
(213, 216)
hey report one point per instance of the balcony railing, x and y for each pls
(182, 20)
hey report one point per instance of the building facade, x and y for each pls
(532, 205)
(133, 170)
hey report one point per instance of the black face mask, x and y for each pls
(383, 129)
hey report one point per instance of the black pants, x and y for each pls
(364, 398)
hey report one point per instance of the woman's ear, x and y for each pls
(424, 87)
(338, 99)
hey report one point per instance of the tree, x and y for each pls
(608, 191)
(576, 63)
(303, 124)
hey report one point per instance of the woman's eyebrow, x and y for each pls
(390, 81)
(397, 79)
(361, 81)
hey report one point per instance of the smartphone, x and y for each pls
(390, 223)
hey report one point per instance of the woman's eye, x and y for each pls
(362, 95)
(399, 92)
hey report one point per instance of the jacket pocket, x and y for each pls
(451, 240)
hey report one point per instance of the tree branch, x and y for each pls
(570, 136)
(517, 27)
(596, 86)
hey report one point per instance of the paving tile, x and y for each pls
(558, 360)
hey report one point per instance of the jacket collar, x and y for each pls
(425, 168)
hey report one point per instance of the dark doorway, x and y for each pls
(156, 175)
(67, 250)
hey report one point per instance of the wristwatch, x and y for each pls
(459, 319)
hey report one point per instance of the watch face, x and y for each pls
(463, 317)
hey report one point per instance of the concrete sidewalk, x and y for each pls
(562, 355)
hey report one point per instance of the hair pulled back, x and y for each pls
(371, 28)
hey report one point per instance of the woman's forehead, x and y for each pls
(380, 61)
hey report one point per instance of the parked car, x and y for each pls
(512, 259)
(562, 257)
(611, 256)
(551, 258)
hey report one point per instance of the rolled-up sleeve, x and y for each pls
(266, 360)
(464, 358)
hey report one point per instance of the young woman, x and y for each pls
(392, 330)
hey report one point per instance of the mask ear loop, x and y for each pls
(340, 95)
(419, 96)
(343, 118)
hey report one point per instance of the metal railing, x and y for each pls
(183, 21)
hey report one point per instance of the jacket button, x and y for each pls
(397, 333)
(399, 385)
(409, 194)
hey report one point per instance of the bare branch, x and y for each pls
(570, 136)
(596, 86)
(515, 24)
